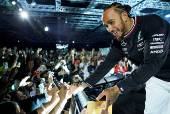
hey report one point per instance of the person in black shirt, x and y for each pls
(145, 41)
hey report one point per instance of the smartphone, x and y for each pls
(5, 65)
(13, 87)
(57, 83)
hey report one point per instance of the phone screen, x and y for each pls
(5, 65)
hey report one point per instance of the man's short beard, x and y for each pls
(120, 38)
(121, 29)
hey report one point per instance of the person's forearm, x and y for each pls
(48, 86)
(72, 59)
(57, 65)
(13, 64)
(52, 91)
(48, 106)
(12, 76)
(59, 107)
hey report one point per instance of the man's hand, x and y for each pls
(73, 89)
(81, 87)
(111, 94)
(23, 81)
(62, 93)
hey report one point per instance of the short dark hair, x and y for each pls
(8, 107)
(120, 8)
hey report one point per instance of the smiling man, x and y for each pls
(117, 21)
(145, 41)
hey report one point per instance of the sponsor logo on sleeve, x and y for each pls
(121, 89)
(139, 35)
(156, 47)
(157, 39)
(140, 44)
(152, 43)
(155, 35)
(124, 49)
(140, 49)
(156, 51)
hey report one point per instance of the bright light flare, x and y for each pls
(167, 15)
(46, 29)
(24, 14)
(13, 2)
(20, 9)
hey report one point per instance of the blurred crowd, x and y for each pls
(43, 81)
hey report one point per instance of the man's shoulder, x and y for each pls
(151, 19)
(152, 22)
(148, 18)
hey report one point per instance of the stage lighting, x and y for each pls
(33, 3)
(13, 2)
(87, 45)
(66, 20)
(24, 14)
(168, 15)
(20, 9)
(72, 41)
(137, 12)
(46, 29)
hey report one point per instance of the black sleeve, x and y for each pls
(156, 50)
(112, 58)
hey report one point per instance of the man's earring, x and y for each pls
(126, 20)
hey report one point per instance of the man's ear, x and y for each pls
(124, 16)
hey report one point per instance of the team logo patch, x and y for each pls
(139, 35)
(121, 89)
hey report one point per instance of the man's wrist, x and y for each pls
(116, 89)
(88, 85)
(84, 85)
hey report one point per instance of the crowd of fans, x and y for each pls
(41, 81)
